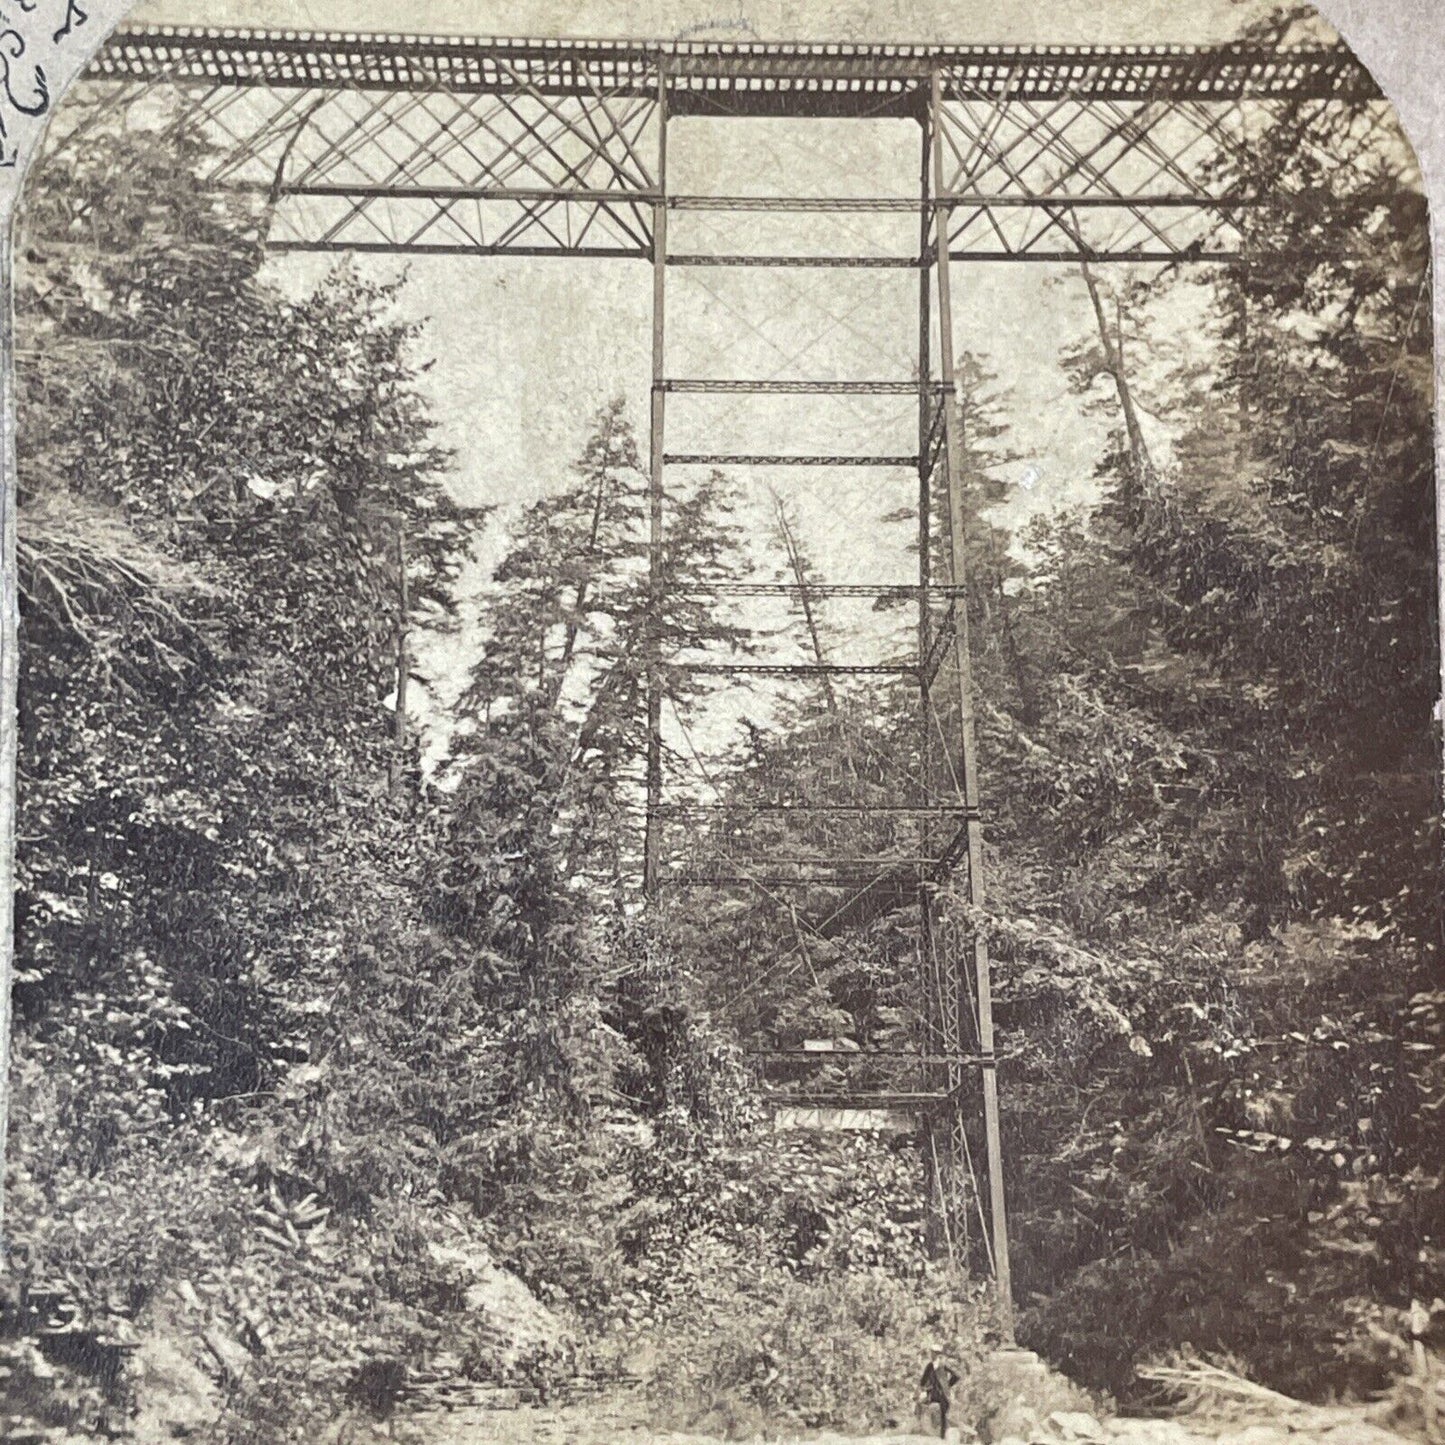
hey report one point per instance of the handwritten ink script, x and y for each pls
(707, 29)
(40, 41)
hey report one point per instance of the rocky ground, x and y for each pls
(1233, 1411)
(611, 1424)
(187, 1357)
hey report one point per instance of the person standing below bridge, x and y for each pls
(936, 1385)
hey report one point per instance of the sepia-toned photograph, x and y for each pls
(724, 727)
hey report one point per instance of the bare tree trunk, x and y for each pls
(1028, 693)
(1113, 347)
(579, 601)
(800, 576)
(403, 663)
(799, 565)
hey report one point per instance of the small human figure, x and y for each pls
(765, 1369)
(936, 1385)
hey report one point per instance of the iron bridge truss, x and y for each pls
(431, 146)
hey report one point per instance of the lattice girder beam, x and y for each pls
(520, 173)
(488, 147)
(517, 171)
(1150, 179)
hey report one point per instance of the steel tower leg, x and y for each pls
(944, 1218)
(652, 845)
(968, 761)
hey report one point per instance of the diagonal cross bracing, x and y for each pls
(432, 144)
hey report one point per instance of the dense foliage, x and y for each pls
(1237, 734)
(221, 937)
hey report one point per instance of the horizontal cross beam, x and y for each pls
(706, 387)
(882, 860)
(744, 459)
(778, 262)
(402, 247)
(775, 882)
(860, 1101)
(900, 810)
(894, 205)
(798, 669)
(898, 591)
(851, 1056)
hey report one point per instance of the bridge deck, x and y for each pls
(734, 78)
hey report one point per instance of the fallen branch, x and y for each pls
(1203, 1383)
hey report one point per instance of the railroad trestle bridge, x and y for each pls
(412, 145)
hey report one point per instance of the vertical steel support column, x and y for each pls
(652, 845)
(925, 428)
(968, 762)
(940, 1227)
(925, 470)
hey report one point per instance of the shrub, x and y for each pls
(840, 1353)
